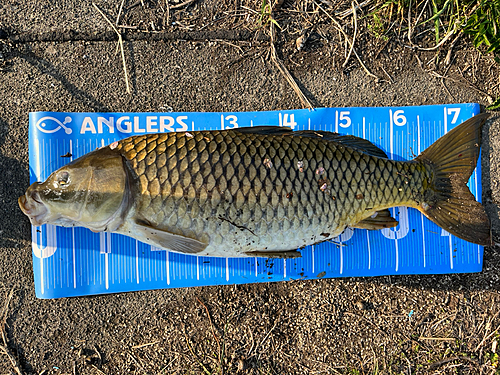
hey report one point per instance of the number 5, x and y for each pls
(344, 115)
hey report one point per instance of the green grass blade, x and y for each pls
(437, 13)
(494, 105)
(436, 20)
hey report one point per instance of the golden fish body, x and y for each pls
(257, 191)
(241, 193)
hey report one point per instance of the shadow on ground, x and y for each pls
(46, 68)
(15, 179)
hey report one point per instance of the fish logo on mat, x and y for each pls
(49, 124)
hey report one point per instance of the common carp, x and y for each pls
(259, 191)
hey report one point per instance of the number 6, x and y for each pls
(398, 118)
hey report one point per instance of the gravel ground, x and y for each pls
(404, 324)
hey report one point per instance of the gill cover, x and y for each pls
(106, 190)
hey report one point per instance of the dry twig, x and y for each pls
(486, 338)
(167, 22)
(347, 12)
(209, 319)
(437, 338)
(437, 364)
(348, 41)
(119, 13)
(4, 347)
(144, 345)
(97, 369)
(182, 5)
(137, 362)
(120, 41)
(282, 68)
(353, 37)
(213, 331)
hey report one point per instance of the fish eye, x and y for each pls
(63, 178)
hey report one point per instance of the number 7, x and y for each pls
(456, 112)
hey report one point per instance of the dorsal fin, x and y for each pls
(347, 140)
(265, 130)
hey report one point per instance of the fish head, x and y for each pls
(90, 192)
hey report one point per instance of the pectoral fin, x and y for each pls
(379, 220)
(168, 241)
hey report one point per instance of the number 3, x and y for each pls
(232, 121)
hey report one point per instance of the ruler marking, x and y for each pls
(341, 259)
(137, 261)
(168, 268)
(369, 250)
(312, 257)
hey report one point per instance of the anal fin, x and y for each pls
(380, 220)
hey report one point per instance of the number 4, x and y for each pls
(287, 121)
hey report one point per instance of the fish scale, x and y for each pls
(245, 192)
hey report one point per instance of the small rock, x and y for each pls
(241, 364)
(363, 305)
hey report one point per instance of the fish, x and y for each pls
(259, 191)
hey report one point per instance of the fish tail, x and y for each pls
(447, 200)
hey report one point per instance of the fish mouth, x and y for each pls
(33, 207)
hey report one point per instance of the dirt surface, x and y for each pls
(405, 324)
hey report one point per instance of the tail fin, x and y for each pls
(448, 201)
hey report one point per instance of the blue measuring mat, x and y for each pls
(76, 262)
